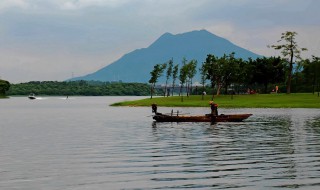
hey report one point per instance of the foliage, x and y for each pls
(155, 74)
(212, 71)
(310, 74)
(4, 87)
(222, 71)
(266, 71)
(174, 76)
(203, 71)
(230, 69)
(80, 88)
(291, 50)
(238, 76)
(168, 75)
(191, 72)
(183, 76)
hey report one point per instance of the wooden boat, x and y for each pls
(159, 117)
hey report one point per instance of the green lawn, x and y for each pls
(299, 100)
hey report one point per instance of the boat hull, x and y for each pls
(32, 96)
(201, 118)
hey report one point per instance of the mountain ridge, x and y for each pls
(136, 65)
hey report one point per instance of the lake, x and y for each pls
(54, 143)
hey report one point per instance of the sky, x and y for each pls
(54, 40)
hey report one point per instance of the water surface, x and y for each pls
(82, 143)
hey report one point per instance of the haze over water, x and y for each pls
(80, 143)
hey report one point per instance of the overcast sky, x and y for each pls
(57, 39)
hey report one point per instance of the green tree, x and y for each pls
(212, 71)
(203, 72)
(174, 76)
(268, 70)
(89, 88)
(191, 72)
(228, 65)
(168, 75)
(311, 72)
(183, 76)
(155, 74)
(4, 86)
(291, 50)
(242, 74)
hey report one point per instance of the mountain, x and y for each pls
(137, 65)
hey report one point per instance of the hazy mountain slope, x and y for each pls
(136, 65)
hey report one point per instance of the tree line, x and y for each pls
(288, 73)
(80, 88)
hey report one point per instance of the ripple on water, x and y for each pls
(84, 144)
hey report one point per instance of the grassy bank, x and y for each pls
(299, 100)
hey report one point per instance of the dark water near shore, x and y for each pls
(82, 143)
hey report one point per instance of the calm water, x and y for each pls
(82, 143)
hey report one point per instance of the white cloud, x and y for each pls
(85, 35)
(60, 4)
(80, 4)
(4, 4)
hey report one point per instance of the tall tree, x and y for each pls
(174, 76)
(311, 72)
(212, 71)
(316, 63)
(183, 76)
(184, 63)
(155, 74)
(168, 75)
(291, 50)
(191, 72)
(241, 74)
(203, 72)
(228, 67)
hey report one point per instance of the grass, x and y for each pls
(3, 96)
(294, 100)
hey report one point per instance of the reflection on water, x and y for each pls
(272, 151)
(85, 144)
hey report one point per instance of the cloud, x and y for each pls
(4, 4)
(60, 4)
(56, 37)
(80, 4)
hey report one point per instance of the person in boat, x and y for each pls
(154, 108)
(214, 108)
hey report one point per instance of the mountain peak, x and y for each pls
(189, 38)
(136, 65)
(202, 31)
(197, 33)
(167, 34)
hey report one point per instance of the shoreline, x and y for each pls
(294, 100)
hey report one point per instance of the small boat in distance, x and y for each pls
(32, 96)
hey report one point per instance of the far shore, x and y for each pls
(293, 100)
